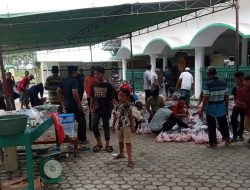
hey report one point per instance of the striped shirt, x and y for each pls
(216, 90)
(52, 82)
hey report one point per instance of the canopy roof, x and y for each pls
(88, 26)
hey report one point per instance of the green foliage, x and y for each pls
(19, 59)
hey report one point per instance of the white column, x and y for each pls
(199, 62)
(244, 50)
(153, 62)
(124, 69)
(165, 62)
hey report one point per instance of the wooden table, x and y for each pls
(26, 139)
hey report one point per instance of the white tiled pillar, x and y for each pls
(244, 50)
(153, 62)
(199, 63)
(124, 69)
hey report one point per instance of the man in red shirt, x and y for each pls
(88, 82)
(23, 88)
(239, 93)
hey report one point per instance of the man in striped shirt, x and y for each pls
(215, 104)
(52, 82)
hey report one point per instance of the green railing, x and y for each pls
(226, 73)
(138, 78)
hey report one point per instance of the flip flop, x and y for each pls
(97, 148)
(109, 149)
(130, 164)
(118, 156)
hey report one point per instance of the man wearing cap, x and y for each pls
(70, 100)
(186, 82)
(23, 88)
(215, 105)
(51, 84)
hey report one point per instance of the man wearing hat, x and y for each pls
(51, 84)
(215, 105)
(186, 82)
(71, 101)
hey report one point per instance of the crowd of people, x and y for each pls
(117, 99)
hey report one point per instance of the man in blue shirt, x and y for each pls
(71, 101)
(215, 104)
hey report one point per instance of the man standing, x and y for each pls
(88, 82)
(238, 92)
(10, 83)
(147, 82)
(80, 78)
(23, 88)
(215, 104)
(186, 81)
(101, 104)
(69, 96)
(168, 78)
(51, 84)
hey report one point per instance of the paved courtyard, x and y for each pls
(160, 166)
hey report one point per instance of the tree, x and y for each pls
(19, 59)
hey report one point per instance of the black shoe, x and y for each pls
(234, 140)
(241, 138)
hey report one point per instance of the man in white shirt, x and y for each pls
(147, 82)
(155, 79)
(186, 82)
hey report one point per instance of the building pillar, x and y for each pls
(165, 62)
(244, 51)
(199, 63)
(124, 69)
(153, 62)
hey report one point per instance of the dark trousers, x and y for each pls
(234, 120)
(34, 100)
(80, 118)
(186, 94)
(169, 90)
(147, 95)
(105, 124)
(90, 115)
(223, 128)
(172, 121)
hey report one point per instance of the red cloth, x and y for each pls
(246, 100)
(23, 84)
(241, 93)
(127, 87)
(59, 128)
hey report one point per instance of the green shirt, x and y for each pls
(52, 82)
(155, 103)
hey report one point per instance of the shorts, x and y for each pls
(124, 135)
(24, 97)
(247, 122)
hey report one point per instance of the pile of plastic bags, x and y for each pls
(143, 129)
(198, 138)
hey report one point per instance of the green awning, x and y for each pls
(90, 26)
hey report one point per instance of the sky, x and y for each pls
(25, 6)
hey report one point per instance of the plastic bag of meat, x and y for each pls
(160, 138)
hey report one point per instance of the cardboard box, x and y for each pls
(20, 183)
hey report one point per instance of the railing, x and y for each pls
(226, 73)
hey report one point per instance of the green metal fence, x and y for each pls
(226, 73)
(138, 78)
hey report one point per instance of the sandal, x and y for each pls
(118, 156)
(109, 149)
(97, 148)
(130, 164)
